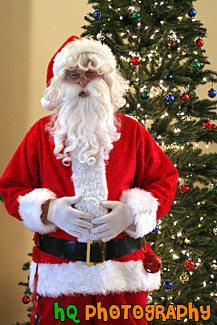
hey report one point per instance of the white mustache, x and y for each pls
(93, 88)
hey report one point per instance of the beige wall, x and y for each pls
(31, 31)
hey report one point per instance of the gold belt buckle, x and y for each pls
(88, 262)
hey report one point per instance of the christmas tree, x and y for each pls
(159, 48)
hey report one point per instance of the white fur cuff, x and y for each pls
(30, 210)
(144, 208)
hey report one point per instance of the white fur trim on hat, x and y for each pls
(48, 104)
(144, 207)
(73, 49)
(77, 277)
(30, 210)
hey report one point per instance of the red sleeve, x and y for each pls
(21, 175)
(155, 172)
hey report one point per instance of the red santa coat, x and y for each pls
(137, 173)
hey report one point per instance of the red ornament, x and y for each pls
(189, 265)
(199, 42)
(152, 263)
(184, 188)
(132, 103)
(173, 44)
(26, 299)
(136, 60)
(208, 124)
(213, 126)
(184, 96)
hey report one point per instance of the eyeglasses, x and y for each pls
(76, 77)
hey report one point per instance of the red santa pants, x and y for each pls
(122, 309)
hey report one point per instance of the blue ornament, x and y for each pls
(212, 93)
(156, 228)
(168, 285)
(192, 12)
(170, 98)
(97, 15)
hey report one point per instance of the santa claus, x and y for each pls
(91, 184)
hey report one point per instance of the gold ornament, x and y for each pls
(184, 278)
(185, 240)
(215, 231)
(175, 148)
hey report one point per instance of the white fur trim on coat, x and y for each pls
(144, 208)
(30, 210)
(77, 277)
(90, 182)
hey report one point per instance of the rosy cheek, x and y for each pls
(71, 81)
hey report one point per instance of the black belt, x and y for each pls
(92, 252)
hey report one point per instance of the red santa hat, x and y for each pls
(50, 65)
(74, 46)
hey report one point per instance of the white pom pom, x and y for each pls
(47, 104)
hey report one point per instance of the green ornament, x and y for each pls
(136, 15)
(145, 95)
(195, 65)
(215, 190)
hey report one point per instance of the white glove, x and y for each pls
(71, 220)
(112, 224)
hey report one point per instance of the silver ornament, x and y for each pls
(100, 37)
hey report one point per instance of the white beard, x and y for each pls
(84, 128)
(83, 131)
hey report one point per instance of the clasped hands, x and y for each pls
(78, 223)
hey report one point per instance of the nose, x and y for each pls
(83, 81)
